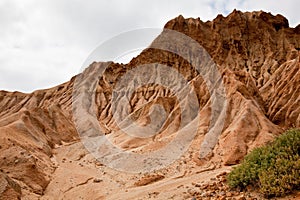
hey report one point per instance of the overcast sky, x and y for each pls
(45, 42)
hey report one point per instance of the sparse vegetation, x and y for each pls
(274, 168)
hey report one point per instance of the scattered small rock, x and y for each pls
(97, 180)
(203, 194)
(222, 193)
(203, 187)
(222, 174)
(149, 179)
(242, 198)
(197, 185)
(97, 163)
(229, 194)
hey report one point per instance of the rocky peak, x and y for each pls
(256, 42)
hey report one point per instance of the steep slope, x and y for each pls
(257, 55)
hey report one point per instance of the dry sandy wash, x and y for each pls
(257, 57)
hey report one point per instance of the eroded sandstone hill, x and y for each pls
(257, 55)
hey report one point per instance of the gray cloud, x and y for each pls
(44, 43)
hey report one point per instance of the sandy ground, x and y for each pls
(79, 176)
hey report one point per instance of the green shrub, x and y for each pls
(274, 168)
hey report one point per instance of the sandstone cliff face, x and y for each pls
(257, 55)
(8, 188)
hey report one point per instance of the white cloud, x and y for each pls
(44, 43)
